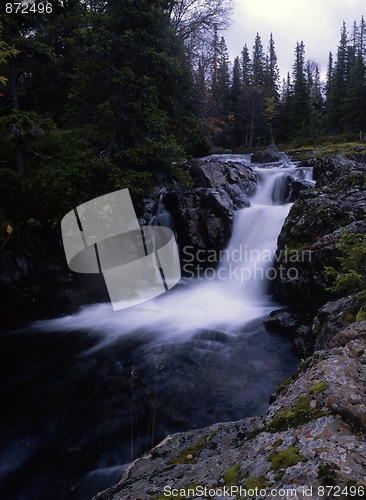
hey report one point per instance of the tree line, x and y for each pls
(98, 95)
(244, 103)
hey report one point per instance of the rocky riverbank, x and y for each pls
(313, 434)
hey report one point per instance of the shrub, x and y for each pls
(351, 276)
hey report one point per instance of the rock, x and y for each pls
(313, 435)
(203, 216)
(39, 286)
(327, 170)
(235, 178)
(311, 231)
(334, 316)
(293, 187)
(269, 155)
(296, 324)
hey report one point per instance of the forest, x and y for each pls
(100, 95)
(260, 347)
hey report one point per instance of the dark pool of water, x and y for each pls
(74, 413)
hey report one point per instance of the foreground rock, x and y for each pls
(308, 239)
(313, 435)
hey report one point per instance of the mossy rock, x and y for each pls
(259, 482)
(327, 473)
(287, 382)
(293, 417)
(190, 454)
(285, 458)
(232, 476)
(361, 315)
(318, 387)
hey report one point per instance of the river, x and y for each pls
(86, 393)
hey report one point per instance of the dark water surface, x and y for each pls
(71, 405)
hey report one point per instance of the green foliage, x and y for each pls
(351, 275)
(327, 472)
(285, 458)
(11, 188)
(361, 315)
(259, 482)
(190, 454)
(293, 417)
(6, 51)
(232, 475)
(318, 387)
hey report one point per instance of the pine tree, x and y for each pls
(337, 88)
(136, 96)
(300, 109)
(316, 104)
(246, 67)
(236, 101)
(272, 71)
(258, 63)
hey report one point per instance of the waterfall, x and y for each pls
(200, 351)
(234, 293)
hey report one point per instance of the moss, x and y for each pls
(279, 475)
(349, 317)
(256, 482)
(277, 443)
(361, 315)
(287, 382)
(327, 473)
(190, 454)
(318, 388)
(285, 458)
(232, 476)
(293, 417)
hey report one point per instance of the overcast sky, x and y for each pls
(316, 22)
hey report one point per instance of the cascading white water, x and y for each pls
(233, 295)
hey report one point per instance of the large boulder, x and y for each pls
(269, 155)
(202, 216)
(309, 237)
(236, 179)
(202, 219)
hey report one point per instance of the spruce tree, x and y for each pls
(300, 108)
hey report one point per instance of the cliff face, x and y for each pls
(313, 228)
(313, 434)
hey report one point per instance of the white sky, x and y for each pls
(316, 22)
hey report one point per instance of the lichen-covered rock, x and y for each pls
(334, 316)
(313, 435)
(308, 239)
